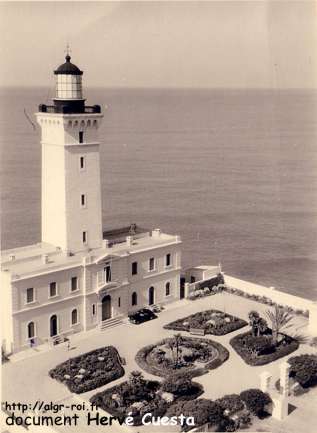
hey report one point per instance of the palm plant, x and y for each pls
(178, 341)
(280, 319)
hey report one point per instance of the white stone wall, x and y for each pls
(6, 312)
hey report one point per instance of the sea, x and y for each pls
(233, 172)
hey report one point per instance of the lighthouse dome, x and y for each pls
(68, 68)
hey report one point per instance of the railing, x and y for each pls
(43, 108)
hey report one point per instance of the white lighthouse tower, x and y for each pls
(71, 192)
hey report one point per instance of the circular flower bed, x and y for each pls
(213, 322)
(179, 355)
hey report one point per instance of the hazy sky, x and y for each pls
(178, 44)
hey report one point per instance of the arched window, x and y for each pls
(167, 288)
(74, 316)
(31, 330)
(134, 298)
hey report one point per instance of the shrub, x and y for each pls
(182, 387)
(304, 369)
(203, 410)
(255, 401)
(232, 403)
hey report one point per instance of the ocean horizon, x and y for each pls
(232, 171)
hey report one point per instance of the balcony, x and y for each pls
(69, 109)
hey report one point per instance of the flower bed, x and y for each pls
(138, 397)
(90, 370)
(213, 322)
(196, 357)
(261, 350)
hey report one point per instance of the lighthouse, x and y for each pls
(71, 191)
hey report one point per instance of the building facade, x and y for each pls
(79, 277)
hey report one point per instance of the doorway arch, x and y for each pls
(53, 326)
(106, 308)
(151, 295)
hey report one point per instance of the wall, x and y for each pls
(276, 295)
(44, 307)
(6, 312)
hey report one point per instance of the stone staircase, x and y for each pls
(110, 323)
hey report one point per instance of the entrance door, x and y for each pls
(106, 308)
(151, 295)
(182, 288)
(53, 325)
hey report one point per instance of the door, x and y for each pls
(182, 289)
(53, 326)
(106, 308)
(151, 295)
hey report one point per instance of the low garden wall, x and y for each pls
(295, 302)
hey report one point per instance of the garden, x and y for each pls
(138, 396)
(264, 344)
(212, 322)
(178, 396)
(179, 355)
(90, 370)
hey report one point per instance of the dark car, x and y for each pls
(141, 316)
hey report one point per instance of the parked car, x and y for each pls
(141, 316)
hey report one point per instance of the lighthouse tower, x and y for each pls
(71, 192)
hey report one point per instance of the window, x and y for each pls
(82, 163)
(81, 136)
(53, 289)
(168, 260)
(192, 279)
(29, 295)
(93, 309)
(74, 284)
(151, 264)
(84, 237)
(134, 300)
(83, 200)
(31, 330)
(167, 289)
(134, 268)
(119, 302)
(74, 317)
(107, 271)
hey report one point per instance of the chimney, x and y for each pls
(129, 240)
(45, 259)
(105, 243)
(156, 233)
(12, 257)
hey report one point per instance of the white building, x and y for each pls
(78, 277)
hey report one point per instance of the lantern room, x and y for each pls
(68, 81)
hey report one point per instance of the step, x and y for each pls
(114, 321)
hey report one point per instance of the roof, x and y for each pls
(68, 68)
(26, 262)
(119, 235)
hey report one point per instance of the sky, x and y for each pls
(228, 44)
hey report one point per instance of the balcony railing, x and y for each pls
(87, 109)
